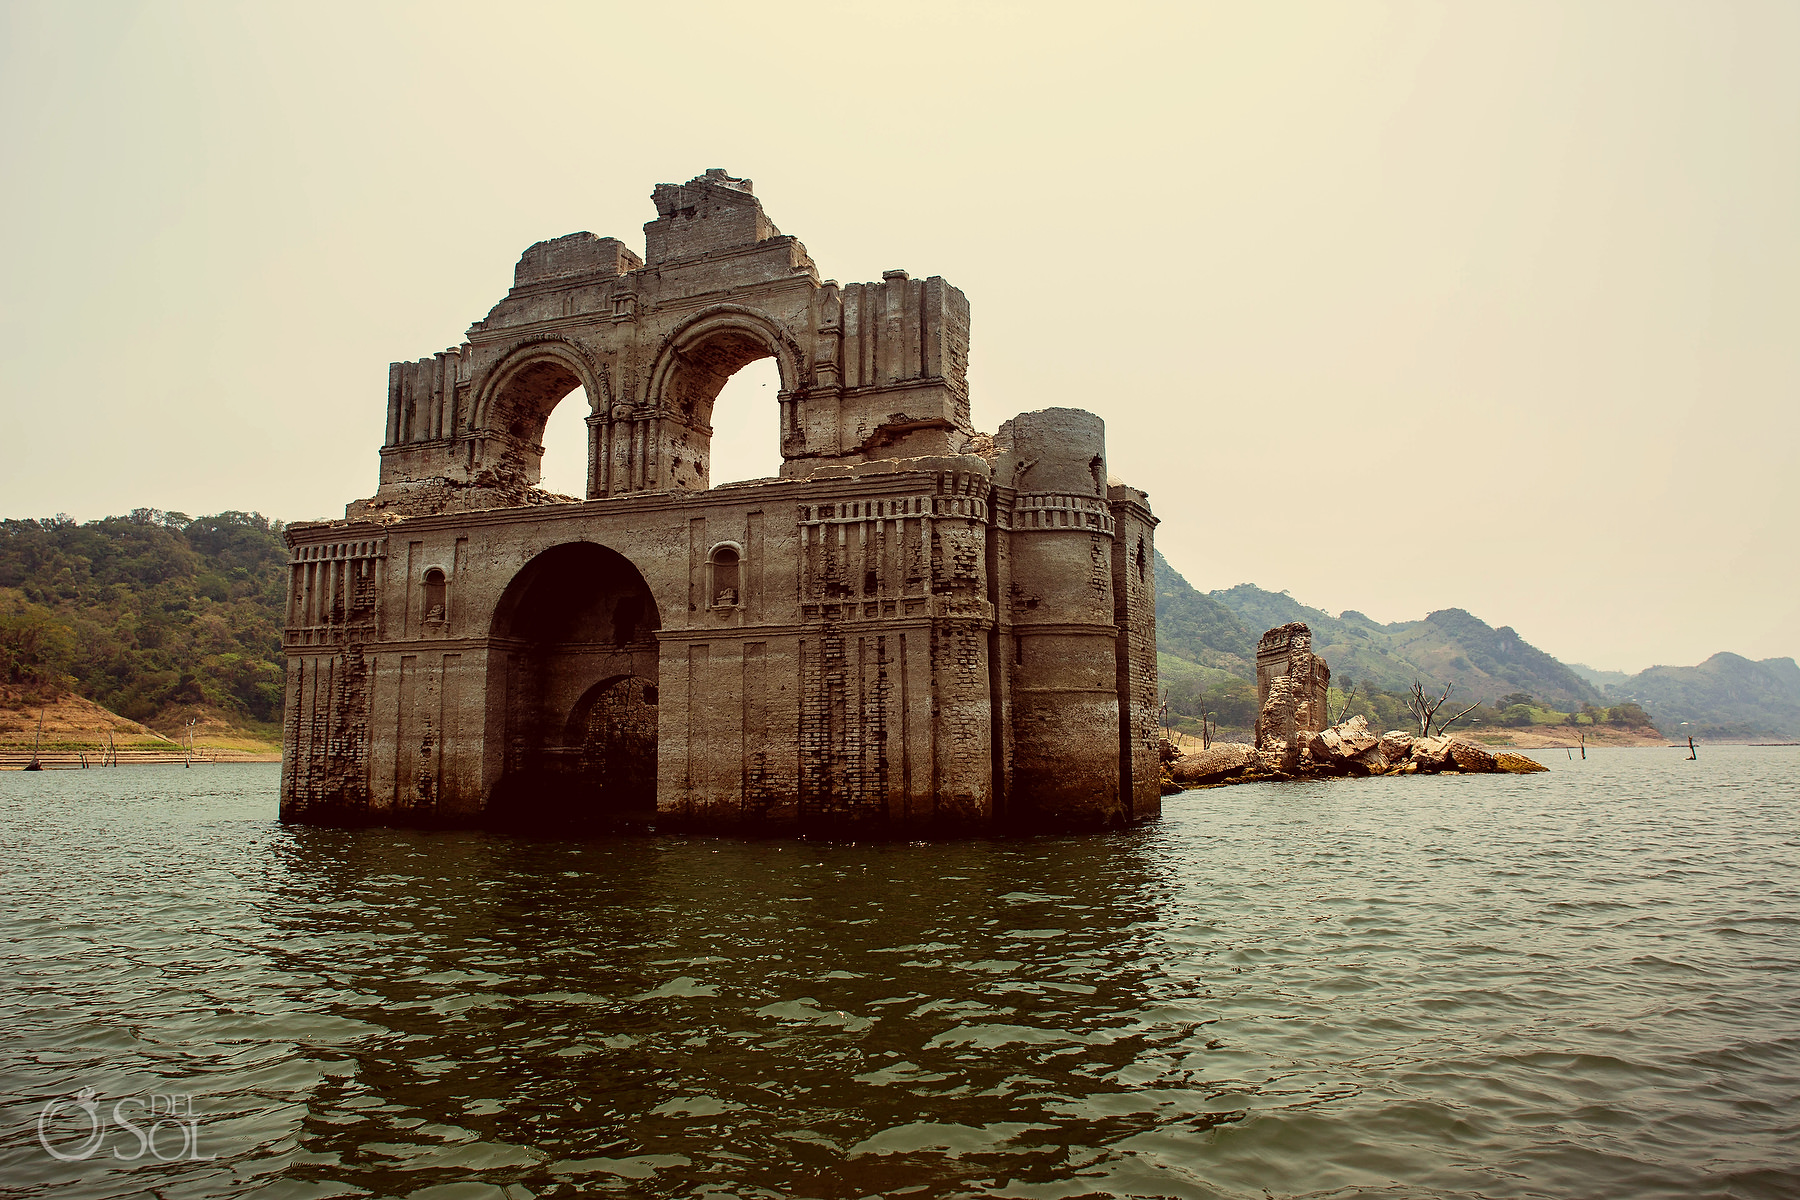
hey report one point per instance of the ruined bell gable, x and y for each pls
(915, 625)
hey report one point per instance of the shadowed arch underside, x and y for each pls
(578, 628)
(514, 413)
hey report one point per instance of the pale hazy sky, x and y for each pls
(1394, 306)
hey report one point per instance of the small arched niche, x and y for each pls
(436, 605)
(725, 576)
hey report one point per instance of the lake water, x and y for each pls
(1584, 983)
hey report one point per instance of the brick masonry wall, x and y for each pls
(1134, 593)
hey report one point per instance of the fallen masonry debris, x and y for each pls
(1293, 741)
(1346, 749)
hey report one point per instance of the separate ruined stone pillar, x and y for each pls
(1064, 655)
(1291, 689)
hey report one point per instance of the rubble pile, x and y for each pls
(1350, 748)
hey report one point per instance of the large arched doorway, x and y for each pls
(577, 627)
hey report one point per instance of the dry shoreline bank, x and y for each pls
(73, 728)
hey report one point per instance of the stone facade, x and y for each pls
(1291, 687)
(914, 626)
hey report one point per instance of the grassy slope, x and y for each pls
(71, 722)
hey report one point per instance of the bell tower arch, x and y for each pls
(868, 370)
(692, 368)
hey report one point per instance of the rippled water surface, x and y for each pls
(1585, 983)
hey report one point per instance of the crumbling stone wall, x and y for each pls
(916, 625)
(1134, 614)
(333, 613)
(869, 371)
(1291, 686)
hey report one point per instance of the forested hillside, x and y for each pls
(146, 613)
(1725, 696)
(1195, 627)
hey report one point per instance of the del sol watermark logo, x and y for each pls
(158, 1125)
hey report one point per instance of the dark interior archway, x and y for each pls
(614, 723)
(577, 627)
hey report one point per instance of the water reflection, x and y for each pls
(1573, 984)
(811, 1019)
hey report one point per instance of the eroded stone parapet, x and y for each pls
(574, 256)
(709, 213)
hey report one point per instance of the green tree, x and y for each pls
(37, 651)
(147, 610)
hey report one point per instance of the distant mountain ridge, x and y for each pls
(1220, 629)
(1727, 695)
(1597, 677)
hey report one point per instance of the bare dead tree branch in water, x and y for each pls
(1424, 707)
(1445, 725)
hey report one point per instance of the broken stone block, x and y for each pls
(1396, 744)
(1469, 757)
(1432, 754)
(1342, 745)
(1213, 764)
(1291, 688)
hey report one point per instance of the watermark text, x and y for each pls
(158, 1125)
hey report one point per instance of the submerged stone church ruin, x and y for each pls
(915, 626)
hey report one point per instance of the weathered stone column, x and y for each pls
(1064, 650)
